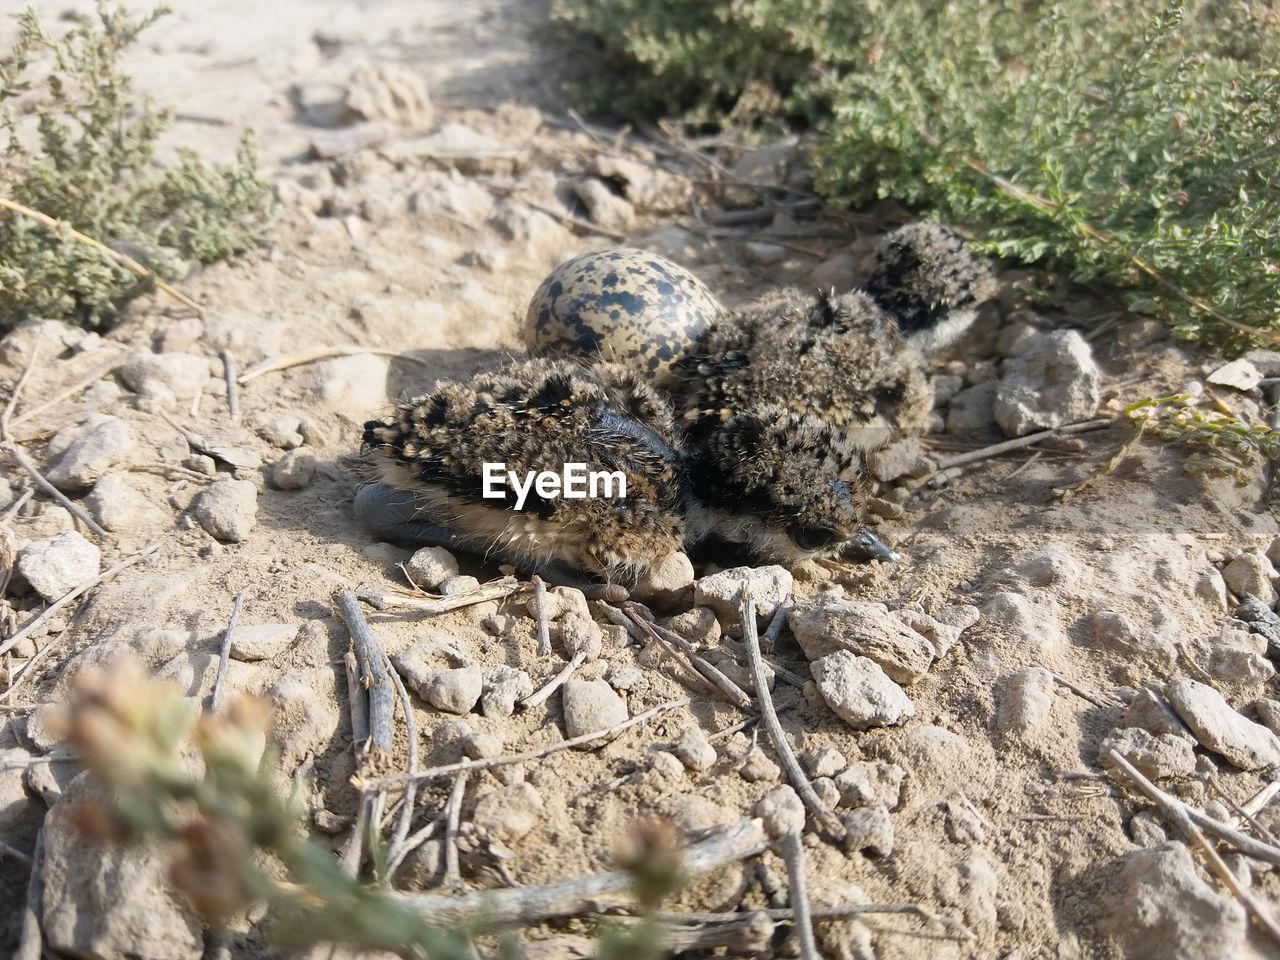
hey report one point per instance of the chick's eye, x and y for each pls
(811, 537)
(890, 394)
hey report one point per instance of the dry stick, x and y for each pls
(92, 377)
(744, 839)
(540, 607)
(58, 605)
(225, 654)
(395, 850)
(453, 815)
(31, 944)
(1243, 814)
(986, 453)
(1095, 699)
(9, 850)
(555, 683)
(50, 489)
(273, 364)
(383, 598)
(793, 856)
(571, 220)
(133, 266)
(702, 682)
(735, 694)
(233, 388)
(1179, 813)
(1254, 804)
(438, 773)
(776, 625)
(17, 387)
(357, 705)
(826, 819)
(739, 653)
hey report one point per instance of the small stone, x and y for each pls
(295, 470)
(666, 766)
(963, 825)
(1156, 756)
(757, 767)
(304, 713)
(604, 206)
(694, 751)
(827, 791)
(1148, 711)
(581, 634)
(432, 566)
(868, 830)
(58, 564)
(459, 585)
(1024, 705)
(357, 382)
(46, 725)
(1268, 713)
(884, 508)
(781, 810)
(498, 625)
(509, 813)
(591, 706)
(262, 641)
(623, 676)
(666, 582)
(765, 254)
(858, 691)
(1051, 566)
(504, 687)
(1163, 910)
(454, 691)
(227, 509)
(284, 432)
(871, 783)
(1051, 381)
(1251, 574)
(165, 374)
(826, 762)
(481, 746)
(697, 625)
(722, 592)
(105, 447)
(1221, 729)
(118, 505)
(1239, 374)
(49, 781)
(449, 739)
(971, 409)
(1146, 830)
(1211, 588)
(1231, 665)
(824, 625)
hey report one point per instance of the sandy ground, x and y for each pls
(430, 248)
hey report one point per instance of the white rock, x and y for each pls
(1148, 711)
(757, 767)
(45, 725)
(697, 625)
(902, 458)
(1163, 910)
(1165, 755)
(858, 691)
(1221, 729)
(1035, 624)
(826, 762)
(504, 687)
(163, 374)
(454, 691)
(262, 641)
(106, 446)
(284, 431)
(58, 564)
(358, 382)
(693, 749)
(722, 592)
(509, 813)
(1239, 374)
(295, 470)
(227, 509)
(781, 810)
(604, 206)
(1251, 574)
(764, 254)
(461, 584)
(871, 783)
(118, 505)
(1024, 705)
(432, 566)
(1051, 381)
(590, 706)
(579, 634)
(823, 625)
(666, 581)
(869, 830)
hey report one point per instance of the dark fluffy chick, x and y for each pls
(531, 415)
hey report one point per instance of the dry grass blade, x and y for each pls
(708, 671)
(274, 364)
(986, 453)
(224, 655)
(382, 597)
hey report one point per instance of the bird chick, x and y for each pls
(783, 486)
(532, 416)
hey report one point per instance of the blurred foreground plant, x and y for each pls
(89, 165)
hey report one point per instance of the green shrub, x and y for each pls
(88, 164)
(1123, 143)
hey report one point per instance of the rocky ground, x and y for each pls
(952, 708)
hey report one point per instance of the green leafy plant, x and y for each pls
(82, 155)
(1219, 443)
(1132, 145)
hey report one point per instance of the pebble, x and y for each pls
(590, 706)
(497, 625)
(971, 409)
(694, 751)
(697, 625)
(1251, 574)
(454, 691)
(295, 470)
(49, 781)
(1051, 380)
(757, 767)
(509, 813)
(1221, 729)
(1240, 374)
(304, 713)
(581, 634)
(1149, 711)
(1230, 665)
(827, 791)
(868, 830)
(1268, 713)
(284, 431)
(858, 691)
(45, 725)
(1163, 910)
(165, 375)
(781, 810)
(456, 586)
(58, 564)
(1024, 705)
(504, 687)
(963, 825)
(722, 592)
(604, 206)
(262, 641)
(871, 783)
(482, 746)
(1156, 756)
(765, 254)
(666, 766)
(623, 676)
(902, 458)
(824, 625)
(106, 446)
(432, 566)
(227, 509)
(119, 506)
(666, 583)
(943, 636)
(826, 762)
(1146, 829)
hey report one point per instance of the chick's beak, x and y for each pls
(865, 545)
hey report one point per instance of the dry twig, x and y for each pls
(453, 816)
(793, 856)
(708, 671)
(31, 944)
(216, 700)
(986, 453)
(381, 597)
(540, 608)
(34, 472)
(397, 849)
(273, 364)
(555, 683)
(233, 388)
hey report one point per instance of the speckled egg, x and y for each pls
(623, 305)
